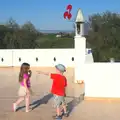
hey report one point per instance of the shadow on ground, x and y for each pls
(37, 103)
(74, 103)
(44, 100)
(70, 106)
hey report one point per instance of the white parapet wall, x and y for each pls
(44, 57)
(6, 58)
(102, 80)
(40, 57)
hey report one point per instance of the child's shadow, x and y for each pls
(75, 102)
(44, 100)
(37, 103)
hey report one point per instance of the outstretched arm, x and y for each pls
(44, 73)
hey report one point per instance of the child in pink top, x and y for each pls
(26, 76)
(25, 87)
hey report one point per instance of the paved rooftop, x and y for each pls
(42, 101)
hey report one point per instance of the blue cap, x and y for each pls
(61, 68)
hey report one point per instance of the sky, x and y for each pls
(48, 14)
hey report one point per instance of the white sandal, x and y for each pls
(14, 107)
(30, 109)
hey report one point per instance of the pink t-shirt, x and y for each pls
(26, 76)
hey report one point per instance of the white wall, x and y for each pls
(89, 56)
(102, 79)
(45, 57)
(7, 56)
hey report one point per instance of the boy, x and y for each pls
(58, 89)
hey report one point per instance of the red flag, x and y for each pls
(69, 7)
(65, 14)
(69, 16)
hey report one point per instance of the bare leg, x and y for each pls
(66, 113)
(58, 110)
(27, 102)
(64, 108)
(19, 101)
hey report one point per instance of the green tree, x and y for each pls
(10, 38)
(3, 31)
(104, 35)
(28, 26)
(11, 23)
(29, 35)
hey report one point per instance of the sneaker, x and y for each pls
(14, 107)
(66, 114)
(57, 117)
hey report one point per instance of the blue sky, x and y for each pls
(48, 14)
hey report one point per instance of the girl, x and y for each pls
(25, 87)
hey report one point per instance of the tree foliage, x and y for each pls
(26, 36)
(104, 36)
